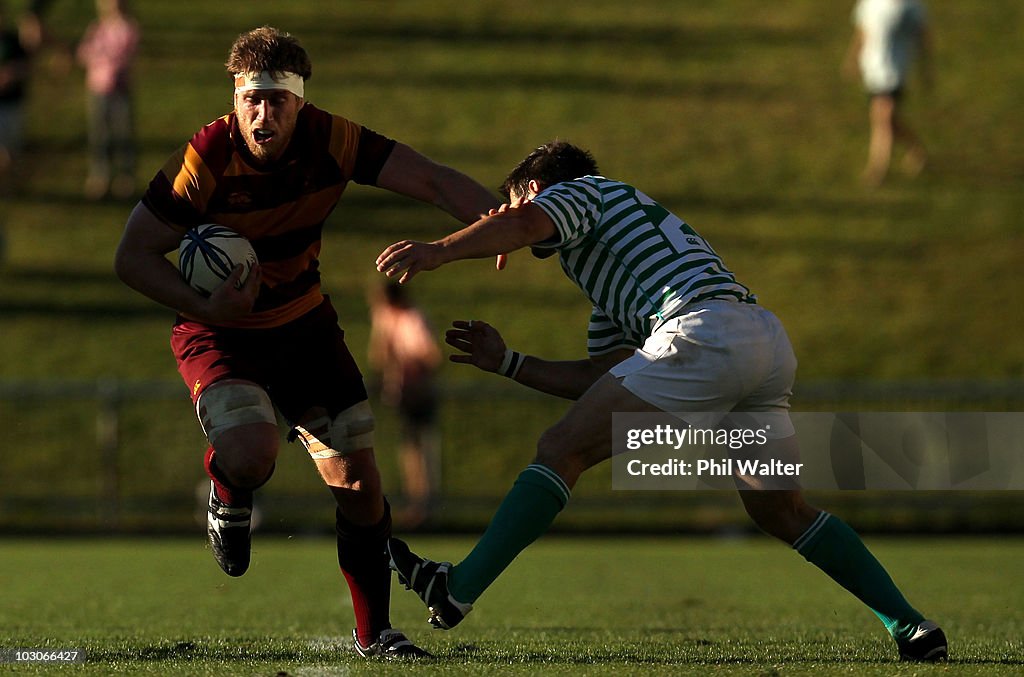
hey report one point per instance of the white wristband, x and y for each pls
(511, 363)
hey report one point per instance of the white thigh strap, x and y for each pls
(351, 430)
(229, 405)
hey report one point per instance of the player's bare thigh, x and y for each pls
(583, 437)
(342, 449)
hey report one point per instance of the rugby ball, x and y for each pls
(209, 253)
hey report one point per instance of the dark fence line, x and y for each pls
(111, 456)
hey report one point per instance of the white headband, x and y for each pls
(291, 82)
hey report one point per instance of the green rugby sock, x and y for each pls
(837, 550)
(529, 508)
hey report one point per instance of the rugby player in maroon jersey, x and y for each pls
(273, 170)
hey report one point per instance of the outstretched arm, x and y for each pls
(501, 232)
(485, 349)
(414, 175)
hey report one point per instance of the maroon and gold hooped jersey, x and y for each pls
(281, 208)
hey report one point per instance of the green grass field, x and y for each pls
(566, 607)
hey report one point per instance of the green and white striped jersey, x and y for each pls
(638, 263)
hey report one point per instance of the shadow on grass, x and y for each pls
(105, 290)
(324, 36)
(248, 651)
(577, 648)
(14, 309)
(62, 276)
(697, 652)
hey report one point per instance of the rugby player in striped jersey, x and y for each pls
(273, 170)
(671, 330)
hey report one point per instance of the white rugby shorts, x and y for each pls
(718, 356)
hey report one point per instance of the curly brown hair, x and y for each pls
(554, 162)
(268, 49)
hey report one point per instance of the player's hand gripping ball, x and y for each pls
(209, 253)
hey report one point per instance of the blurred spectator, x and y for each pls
(14, 72)
(405, 356)
(887, 36)
(36, 38)
(31, 27)
(107, 52)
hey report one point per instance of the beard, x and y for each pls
(270, 150)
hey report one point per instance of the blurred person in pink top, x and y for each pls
(405, 356)
(107, 52)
